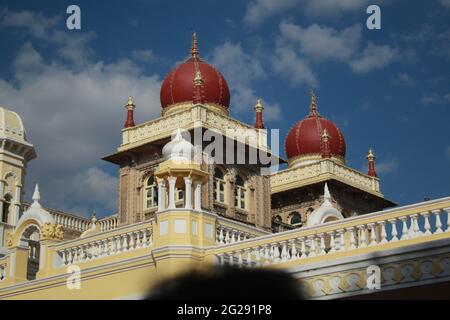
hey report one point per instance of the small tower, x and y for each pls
(15, 153)
(130, 106)
(325, 138)
(259, 108)
(371, 163)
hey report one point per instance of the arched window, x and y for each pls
(219, 186)
(6, 205)
(151, 193)
(239, 193)
(296, 218)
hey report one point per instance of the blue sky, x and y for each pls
(387, 89)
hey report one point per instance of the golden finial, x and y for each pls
(325, 135)
(198, 80)
(194, 49)
(313, 106)
(130, 103)
(371, 155)
(259, 106)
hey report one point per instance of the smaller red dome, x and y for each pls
(194, 81)
(305, 136)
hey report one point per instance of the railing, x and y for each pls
(109, 243)
(228, 231)
(108, 223)
(282, 179)
(400, 226)
(164, 126)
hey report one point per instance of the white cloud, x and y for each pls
(374, 57)
(260, 10)
(289, 65)
(446, 3)
(73, 114)
(321, 42)
(241, 69)
(386, 167)
(435, 98)
(72, 47)
(447, 152)
(405, 79)
(143, 55)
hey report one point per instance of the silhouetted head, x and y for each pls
(228, 283)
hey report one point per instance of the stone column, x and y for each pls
(17, 198)
(187, 196)
(198, 196)
(2, 191)
(172, 181)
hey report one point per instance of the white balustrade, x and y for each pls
(280, 248)
(127, 241)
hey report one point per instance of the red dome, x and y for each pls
(305, 136)
(194, 81)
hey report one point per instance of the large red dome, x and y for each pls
(194, 81)
(305, 136)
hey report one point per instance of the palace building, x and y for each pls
(181, 206)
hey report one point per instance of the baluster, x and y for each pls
(258, 257)
(437, 214)
(404, 235)
(447, 210)
(227, 236)
(69, 256)
(131, 240)
(267, 254)
(352, 237)
(426, 225)
(125, 242)
(312, 246)
(394, 231)
(118, 244)
(341, 246)
(293, 250)
(221, 236)
(275, 253)
(63, 257)
(363, 237)
(332, 241)
(322, 243)
(412, 232)
(373, 234)
(383, 234)
(284, 252)
(249, 257)
(231, 262)
(145, 239)
(302, 248)
(240, 260)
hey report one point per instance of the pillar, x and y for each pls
(198, 196)
(172, 181)
(161, 200)
(187, 196)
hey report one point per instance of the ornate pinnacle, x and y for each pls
(370, 155)
(259, 106)
(130, 103)
(36, 196)
(194, 49)
(313, 106)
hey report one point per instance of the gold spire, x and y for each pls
(370, 155)
(130, 103)
(313, 106)
(194, 49)
(259, 106)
